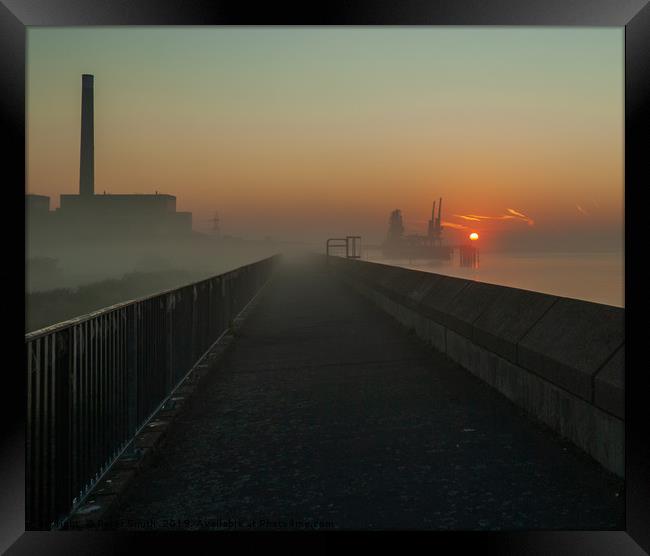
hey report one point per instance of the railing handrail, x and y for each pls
(57, 327)
(93, 381)
(347, 241)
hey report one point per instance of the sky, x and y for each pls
(309, 133)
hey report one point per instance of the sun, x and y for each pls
(473, 236)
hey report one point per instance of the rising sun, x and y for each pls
(473, 236)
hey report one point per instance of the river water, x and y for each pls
(597, 277)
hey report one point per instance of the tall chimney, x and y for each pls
(87, 163)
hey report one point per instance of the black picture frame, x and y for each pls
(16, 15)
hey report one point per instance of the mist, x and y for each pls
(66, 280)
(297, 135)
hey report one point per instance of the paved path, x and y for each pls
(328, 413)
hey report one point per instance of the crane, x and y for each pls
(435, 227)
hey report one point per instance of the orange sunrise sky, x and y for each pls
(308, 133)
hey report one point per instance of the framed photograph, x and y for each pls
(369, 268)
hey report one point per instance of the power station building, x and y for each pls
(88, 216)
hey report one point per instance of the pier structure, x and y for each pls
(293, 394)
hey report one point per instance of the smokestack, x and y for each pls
(87, 162)
(439, 210)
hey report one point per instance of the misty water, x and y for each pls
(597, 277)
(69, 280)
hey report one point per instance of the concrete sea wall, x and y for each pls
(560, 359)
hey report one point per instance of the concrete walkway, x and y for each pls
(329, 414)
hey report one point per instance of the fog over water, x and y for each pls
(72, 265)
(597, 277)
(65, 280)
(81, 279)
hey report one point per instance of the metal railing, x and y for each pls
(352, 245)
(93, 381)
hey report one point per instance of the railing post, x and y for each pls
(132, 372)
(64, 377)
(170, 341)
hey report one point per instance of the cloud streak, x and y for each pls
(512, 215)
(454, 225)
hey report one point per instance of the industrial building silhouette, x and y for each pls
(88, 216)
